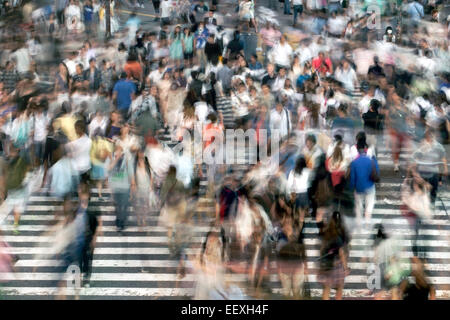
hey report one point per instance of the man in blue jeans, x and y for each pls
(287, 7)
(362, 171)
(298, 9)
(334, 6)
(430, 161)
(123, 93)
(122, 184)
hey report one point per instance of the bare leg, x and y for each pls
(99, 187)
(326, 293)
(339, 292)
(301, 217)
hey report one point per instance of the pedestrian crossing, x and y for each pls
(138, 264)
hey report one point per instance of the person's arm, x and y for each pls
(115, 159)
(114, 96)
(217, 212)
(352, 176)
(445, 168)
(132, 177)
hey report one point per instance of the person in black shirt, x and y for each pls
(212, 49)
(375, 70)
(270, 77)
(235, 47)
(195, 87)
(373, 121)
(78, 78)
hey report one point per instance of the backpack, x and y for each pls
(324, 191)
(374, 176)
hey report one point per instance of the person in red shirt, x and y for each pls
(322, 64)
(212, 128)
(133, 68)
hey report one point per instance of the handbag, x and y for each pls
(306, 290)
(374, 176)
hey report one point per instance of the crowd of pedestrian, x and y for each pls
(91, 115)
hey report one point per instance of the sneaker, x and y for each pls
(16, 228)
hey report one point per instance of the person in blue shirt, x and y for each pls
(415, 10)
(344, 123)
(254, 64)
(88, 13)
(363, 175)
(200, 37)
(123, 93)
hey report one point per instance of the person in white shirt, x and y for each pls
(22, 59)
(201, 111)
(40, 124)
(298, 183)
(303, 52)
(98, 124)
(347, 76)
(344, 147)
(280, 119)
(72, 62)
(166, 10)
(278, 84)
(281, 53)
(34, 48)
(72, 12)
(336, 25)
(370, 150)
(373, 93)
(240, 103)
(88, 54)
(79, 151)
(156, 75)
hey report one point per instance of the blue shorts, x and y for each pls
(302, 200)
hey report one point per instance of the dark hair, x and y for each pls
(172, 171)
(343, 108)
(80, 125)
(300, 165)
(122, 47)
(361, 138)
(314, 111)
(212, 117)
(361, 146)
(312, 138)
(337, 153)
(375, 105)
(65, 107)
(209, 234)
